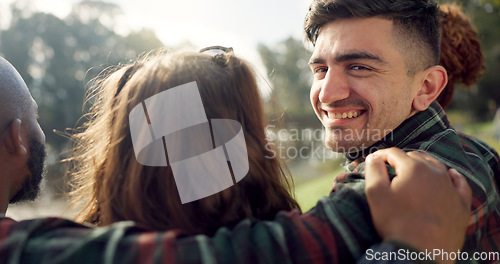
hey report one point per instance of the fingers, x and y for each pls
(402, 161)
(377, 189)
(376, 175)
(462, 186)
(437, 219)
(392, 156)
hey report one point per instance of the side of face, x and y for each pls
(28, 175)
(360, 90)
(34, 138)
(31, 122)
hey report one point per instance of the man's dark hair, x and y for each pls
(416, 24)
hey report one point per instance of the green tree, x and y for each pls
(58, 58)
(290, 78)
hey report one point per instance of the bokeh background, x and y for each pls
(59, 46)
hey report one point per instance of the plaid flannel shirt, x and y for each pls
(338, 230)
(430, 132)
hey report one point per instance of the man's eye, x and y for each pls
(359, 68)
(320, 70)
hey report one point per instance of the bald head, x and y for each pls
(15, 97)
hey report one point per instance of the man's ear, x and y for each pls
(434, 80)
(13, 140)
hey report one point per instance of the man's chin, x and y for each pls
(26, 194)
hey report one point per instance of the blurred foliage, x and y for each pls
(59, 57)
(493, 2)
(291, 79)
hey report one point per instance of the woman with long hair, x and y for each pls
(112, 184)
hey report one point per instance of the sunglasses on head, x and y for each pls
(212, 50)
(216, 50)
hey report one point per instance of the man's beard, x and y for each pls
(36, 162)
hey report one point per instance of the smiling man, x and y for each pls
(376, 79)
(367, 79)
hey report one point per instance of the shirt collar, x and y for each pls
(420, 127)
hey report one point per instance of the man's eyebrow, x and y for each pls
(358, 55)
(316, 61)
(348, 57)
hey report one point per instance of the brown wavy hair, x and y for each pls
(113, 186)
(461, 53)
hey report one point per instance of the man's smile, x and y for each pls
(336, 116)
(343, 114)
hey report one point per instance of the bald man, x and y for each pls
(22, 141)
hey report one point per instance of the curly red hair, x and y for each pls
(461, 53)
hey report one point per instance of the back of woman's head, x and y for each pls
(123, 189)
(461, 53)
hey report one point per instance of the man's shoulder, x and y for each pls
(478, 145)
(479, 163)
(455, 148)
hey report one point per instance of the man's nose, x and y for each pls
(334, 87)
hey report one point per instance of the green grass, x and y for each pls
(308, 192)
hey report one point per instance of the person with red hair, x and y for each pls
(461, 53)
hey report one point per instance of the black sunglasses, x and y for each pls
(126, 76)
(216, 50)
(212, 50)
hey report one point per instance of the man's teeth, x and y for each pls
(344, 115)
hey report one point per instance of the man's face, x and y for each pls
(36, 159)
(361, 91)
